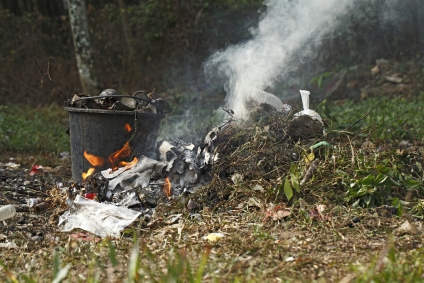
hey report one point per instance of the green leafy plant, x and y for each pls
(291, 182)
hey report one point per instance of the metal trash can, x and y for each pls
(102, 132)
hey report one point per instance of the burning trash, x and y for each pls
(131, 174)
(129, 124)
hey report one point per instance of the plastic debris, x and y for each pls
(98, 218)
(322, 143)
(90, 195)
(271, 99)
(35, 169)
(12, 165)
(306, 111)
(32, 202)
(8, 245)
(289, 259)
(213, 237)
(7, 211)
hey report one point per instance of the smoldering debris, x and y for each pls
(259, 147)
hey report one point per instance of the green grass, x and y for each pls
(25, 129)
(394, 119)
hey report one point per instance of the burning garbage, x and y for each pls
(117, 182)
(129, 124)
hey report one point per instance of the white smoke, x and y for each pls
(290, 28)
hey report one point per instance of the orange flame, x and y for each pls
(167, 187)
(94, 160)
(123, 152)
(89, 173)
(128, 165)
(128, 128)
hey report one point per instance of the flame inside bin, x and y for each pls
(102, 132)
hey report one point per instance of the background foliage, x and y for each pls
(166, 42)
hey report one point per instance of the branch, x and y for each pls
(47, 76)
(363, 117)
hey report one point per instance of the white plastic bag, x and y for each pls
(306, 111)
(98, 218)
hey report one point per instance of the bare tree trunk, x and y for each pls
(82, 45)
(126, 28)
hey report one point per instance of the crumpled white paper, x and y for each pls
(98, 218)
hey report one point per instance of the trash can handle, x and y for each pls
(111, 95)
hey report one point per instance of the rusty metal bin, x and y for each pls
(102, 132)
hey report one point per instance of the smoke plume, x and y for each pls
(288, 29)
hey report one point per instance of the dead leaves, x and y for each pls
(276, 212)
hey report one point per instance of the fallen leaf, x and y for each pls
(276, 212)
(375, 70)
(283, 213)
(309, 157)
(321, 208)
(258, 188)
(84, 237)
(173, 218)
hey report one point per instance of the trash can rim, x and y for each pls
(114, 112)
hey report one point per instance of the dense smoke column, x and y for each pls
(288, 29)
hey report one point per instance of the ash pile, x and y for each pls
(257, 148)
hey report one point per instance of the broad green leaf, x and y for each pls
(368, 181)
(294, 177)
(288, 191)
(367, 199)
(295, 184)
(410, 183)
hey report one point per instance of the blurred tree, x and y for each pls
(83, 50)
(126, 29)
(421, 20)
